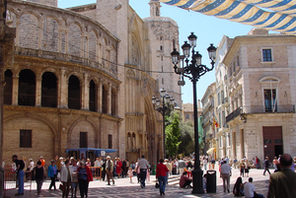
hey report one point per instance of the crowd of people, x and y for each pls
(77, 173)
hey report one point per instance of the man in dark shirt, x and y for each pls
(20, 165)
(266, 166)
(282, 183)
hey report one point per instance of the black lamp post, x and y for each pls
(193, 70)
(164, 106)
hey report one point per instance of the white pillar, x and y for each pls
(63, 90)
(99, 96)
(38, 91)
(15, 86)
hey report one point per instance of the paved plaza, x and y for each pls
(124, 189)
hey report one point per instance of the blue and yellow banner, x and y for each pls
(276, 15)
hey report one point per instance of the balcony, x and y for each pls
(234, 114)
(277, 109)
(256, 109)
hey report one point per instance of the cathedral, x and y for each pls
(83, 77)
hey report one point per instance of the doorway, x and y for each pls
(272, 141)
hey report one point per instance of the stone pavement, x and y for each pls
(124, 189)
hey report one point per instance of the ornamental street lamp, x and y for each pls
(164, 105)
(193, 70)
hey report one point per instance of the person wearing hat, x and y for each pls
(52, 172)
(84, 177)
(109, 169)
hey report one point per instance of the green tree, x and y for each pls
(186, 146)
(173, 135)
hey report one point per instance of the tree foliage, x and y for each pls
(187, 138)
(173, 135)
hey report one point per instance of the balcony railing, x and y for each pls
(260, 109)
(277, 109)
(234, 114)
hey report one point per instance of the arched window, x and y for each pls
(74, 100)
(92, 96)
(27, 85)
(49, 90)
(113, 102)
(104, 99)
(8, 87)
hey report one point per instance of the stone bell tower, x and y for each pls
(154, 8)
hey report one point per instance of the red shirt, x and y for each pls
(161, 170)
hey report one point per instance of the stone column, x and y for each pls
(38, 91)
(109, 100)
(85, 93)
(63, 90)
(15, 85)
(99, 95)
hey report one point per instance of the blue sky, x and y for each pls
(207, 28)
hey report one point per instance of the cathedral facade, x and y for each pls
(83, 77)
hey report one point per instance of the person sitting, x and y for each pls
(238, 189)
(249, 190)
(185, 181)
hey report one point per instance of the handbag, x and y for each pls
(156, 185)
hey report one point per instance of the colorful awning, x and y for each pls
(276, 15)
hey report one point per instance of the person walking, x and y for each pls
(20, 165)
(103, 169)
(39, 176)
(118, 167)
(66, 179)
(52, 172)
(226, 173)
(266, 165)
(242, 168)
(84, 177)
(247, 168)
(143, 165)
(109, 166)
(74, 178)
(282, 183)
(161, 175)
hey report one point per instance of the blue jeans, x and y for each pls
(20, 180)
(143, 173)
(162, 182)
